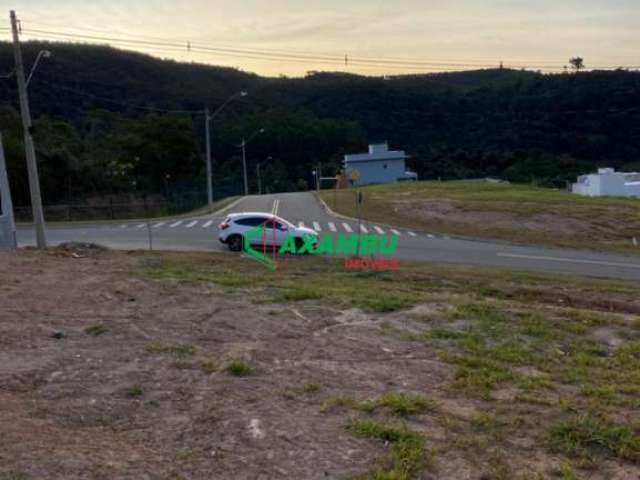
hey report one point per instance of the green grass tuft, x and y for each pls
(407, 457)
(586, 435)
(404, 404)
(96, 330)
(135, 391)
(157, 346)
(240, 368)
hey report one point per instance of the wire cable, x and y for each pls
(270, 55)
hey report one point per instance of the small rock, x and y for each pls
(58, 335)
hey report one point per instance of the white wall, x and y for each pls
(378, 171)
(606, 183)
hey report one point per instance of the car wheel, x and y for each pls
(235, 243)
(299, 243)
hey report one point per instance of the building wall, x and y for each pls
(378, 171)
(610, 184)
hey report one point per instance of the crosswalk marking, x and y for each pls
(412, 234)
(301, 224)
(159, 224)
(191, 224)
(207, 224)
(347, 227)
(363, 229)
(332, 227)
(174, 225)
(316, 227)
(395, 232)
(379, 230)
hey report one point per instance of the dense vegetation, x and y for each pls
(93, 137)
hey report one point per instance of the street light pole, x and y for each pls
(243, 145)
(244, 166)
(30, 151)
(258, 171)
(259, 181)
(207, 121)
(207, 125)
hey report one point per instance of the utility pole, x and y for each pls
(207, 123)
(7, 222)
(259, 181)
(30, 151)
(258, 172)
(244, 166)
(243, 145)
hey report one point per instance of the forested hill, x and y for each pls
(102, 120)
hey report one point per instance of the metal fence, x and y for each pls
(180, 198)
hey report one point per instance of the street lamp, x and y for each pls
(41, 54)
(207, 121)
(243, 145)
(258, 171)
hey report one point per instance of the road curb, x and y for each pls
(328, 210)
(228, 207)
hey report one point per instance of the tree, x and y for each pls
(577, 63)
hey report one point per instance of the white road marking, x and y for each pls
(124, 225)
(571, 260)
(192, 224)
(159, 224)
(174, 225)
(316, 227)
(207, 224)
(276, 206)
(142, 225)
(395, 232)
(332, 227)
(363, 229)
(379, 230)
(301, 224)
(412, 234)
(347, 227)
(430, 235)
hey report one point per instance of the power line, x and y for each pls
(259, 54)
(338, 57)
(222, 53)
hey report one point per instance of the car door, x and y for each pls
(252, 223)
(276, 232)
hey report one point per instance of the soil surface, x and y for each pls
(76, 405)
(106, 373)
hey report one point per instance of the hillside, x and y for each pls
(98, 129)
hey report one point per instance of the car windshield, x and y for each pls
(285, 222)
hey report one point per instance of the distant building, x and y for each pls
(379, 165)
(608, 182)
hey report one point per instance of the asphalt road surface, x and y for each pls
(201, 234)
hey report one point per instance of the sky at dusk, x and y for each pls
(433, 34)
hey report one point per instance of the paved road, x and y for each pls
(200, 234)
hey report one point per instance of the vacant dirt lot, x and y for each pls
(118, 366)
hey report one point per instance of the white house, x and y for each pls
(379, 165)
(608, 182)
